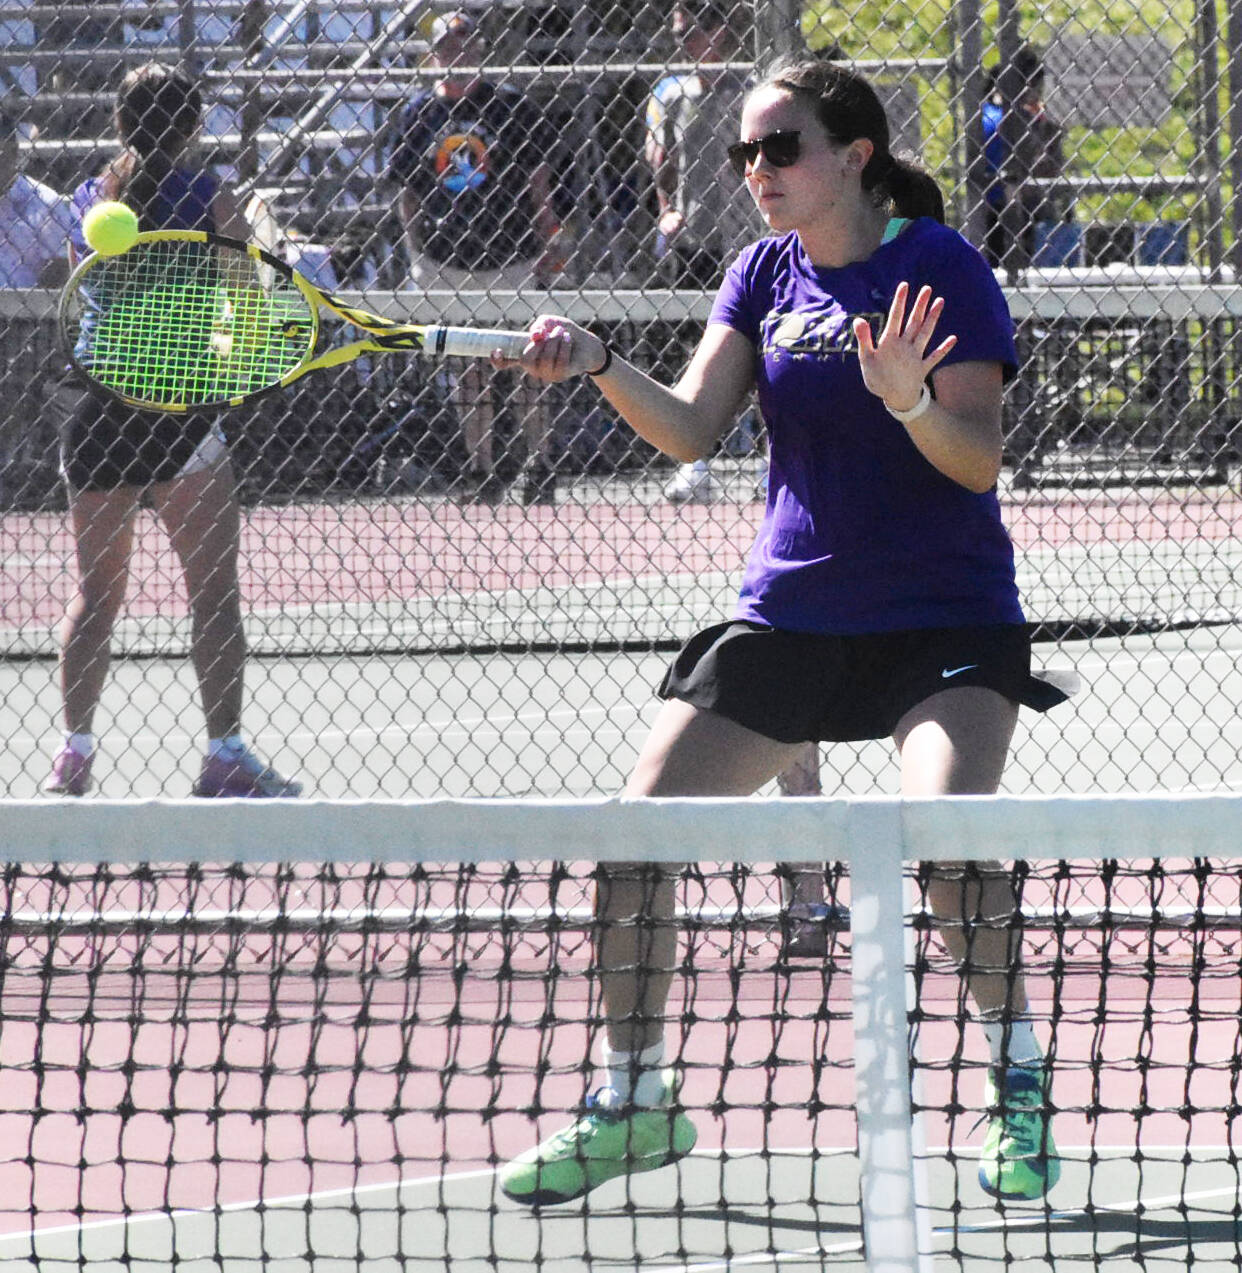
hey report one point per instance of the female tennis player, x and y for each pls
(112, 457)
(879, 598)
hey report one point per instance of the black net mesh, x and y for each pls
(260, 1063)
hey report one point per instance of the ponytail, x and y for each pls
(913, 191)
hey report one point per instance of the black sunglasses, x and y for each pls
(781, 150)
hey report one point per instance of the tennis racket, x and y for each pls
(186, 320)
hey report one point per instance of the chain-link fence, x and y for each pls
(454, 583)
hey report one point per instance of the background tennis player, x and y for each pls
(114, 457)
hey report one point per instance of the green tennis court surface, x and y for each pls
(610, 566)
(317, 1065)
(472, 692)
(419, 647)
(505, 724)
(749, 1210)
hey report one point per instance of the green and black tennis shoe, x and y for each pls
(1019, 1160)
(602, 1144)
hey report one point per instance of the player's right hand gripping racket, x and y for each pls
(186, 320)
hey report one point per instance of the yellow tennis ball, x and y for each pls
(110, 228)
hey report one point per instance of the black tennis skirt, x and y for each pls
(804, 687)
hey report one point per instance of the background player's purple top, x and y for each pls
(861, 533)
(184, 204)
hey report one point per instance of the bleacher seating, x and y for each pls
(310, 132)
(1057, 243)
(1137, 243)
(18, 32)
(1162, 243)
(294, 79)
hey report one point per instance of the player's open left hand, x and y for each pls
(895, 366)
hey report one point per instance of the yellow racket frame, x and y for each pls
(385, 335)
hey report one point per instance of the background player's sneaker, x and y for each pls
(1019, 1159)
(805, 928)
(243, 775)
(692, 484)
(538, 482)
(71, 774)
(602, 1144)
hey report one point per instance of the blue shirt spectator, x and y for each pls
(35, 221)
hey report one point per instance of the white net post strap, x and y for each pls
(894, 1197)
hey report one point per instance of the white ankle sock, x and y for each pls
(82, 744)
(233, 745)
(1013, 1042)
(636, 1077)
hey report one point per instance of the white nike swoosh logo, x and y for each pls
(947, 672)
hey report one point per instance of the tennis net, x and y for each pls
(305, 1036)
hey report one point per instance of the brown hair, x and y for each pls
(158, 109)
(848, 108)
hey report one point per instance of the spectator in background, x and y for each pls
(74, 89)
(147, 22)
(704, 216)
(35, 221)
(1021, 141)
(472, 164)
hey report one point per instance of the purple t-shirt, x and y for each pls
(184, 203)
(861, 533)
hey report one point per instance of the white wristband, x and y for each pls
(925, 400)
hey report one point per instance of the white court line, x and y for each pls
(396, 1186)
(21, 561)
(1125, 658)
(292, 1200)
(1128, 1207)
(807, 1254)
(801, 1255)
(456, 725)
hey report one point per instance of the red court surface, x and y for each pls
(274, 1085)
(289, 1077)
(369, 552)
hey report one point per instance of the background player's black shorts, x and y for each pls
(803, 687)
(105, 444)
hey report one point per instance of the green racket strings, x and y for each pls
(179, 324)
